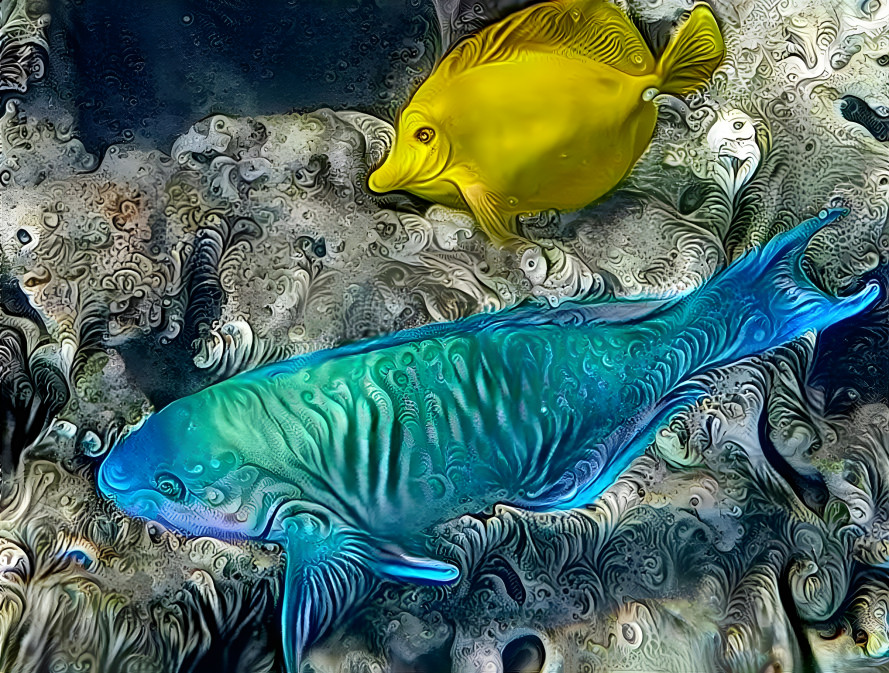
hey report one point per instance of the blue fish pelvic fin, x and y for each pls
(329, 568)
(415, 570)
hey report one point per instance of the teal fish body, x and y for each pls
(349, 457)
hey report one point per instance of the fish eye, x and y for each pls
(629, 633)
(170, 485)
(883, 60)
(425, 135)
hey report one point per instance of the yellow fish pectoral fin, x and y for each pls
(493, 219)
(592, 29)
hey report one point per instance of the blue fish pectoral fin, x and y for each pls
(414, 569)
(328, 570)
(593, 477)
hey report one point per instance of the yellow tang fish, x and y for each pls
(549, 108)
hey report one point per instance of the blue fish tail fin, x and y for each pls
(329, 568)
(766, 298)
(763, 300)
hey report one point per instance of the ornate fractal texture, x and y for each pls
(183, 198)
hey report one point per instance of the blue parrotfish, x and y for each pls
(349, 457)
(550, 107)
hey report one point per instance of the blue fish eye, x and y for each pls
(170, 485)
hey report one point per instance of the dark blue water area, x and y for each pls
(851, 365)
(143, 71)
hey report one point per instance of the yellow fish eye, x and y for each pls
(425, 135)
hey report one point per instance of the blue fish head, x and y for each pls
(180, 470)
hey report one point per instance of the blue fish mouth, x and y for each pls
(856, 110)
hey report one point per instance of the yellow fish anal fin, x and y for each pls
(488, 210)
(591, 29)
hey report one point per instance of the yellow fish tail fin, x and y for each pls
(692, 55)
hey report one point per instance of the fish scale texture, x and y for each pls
(748, 535)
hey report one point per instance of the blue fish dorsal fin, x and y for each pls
(330, 567)
(597, 30)
(521, 315)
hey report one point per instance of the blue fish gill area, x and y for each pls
(256, 417)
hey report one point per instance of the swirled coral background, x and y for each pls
(160, 232)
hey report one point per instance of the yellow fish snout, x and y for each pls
(407, 168)
(550, 108)
(385, 177)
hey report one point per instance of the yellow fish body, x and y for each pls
(549, 108)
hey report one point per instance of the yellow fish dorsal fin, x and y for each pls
(592, 29)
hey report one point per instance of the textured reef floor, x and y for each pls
(753, 535)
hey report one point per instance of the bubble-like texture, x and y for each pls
(750, 536)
